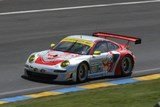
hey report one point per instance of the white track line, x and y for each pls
(78, 7)
(51, 86)
(146, 70)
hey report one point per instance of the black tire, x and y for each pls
(127, 66)
(82, 73)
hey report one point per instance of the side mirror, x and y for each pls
(97, 53)
(52, 45)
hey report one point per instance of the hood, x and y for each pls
(51, 57)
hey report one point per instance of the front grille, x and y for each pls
(60, 71)
(40, 75)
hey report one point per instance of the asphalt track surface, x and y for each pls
(22, 34)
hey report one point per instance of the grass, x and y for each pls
(142, 94)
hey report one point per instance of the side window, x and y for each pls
(112, 46)
(101, 46)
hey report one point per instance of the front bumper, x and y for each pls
(39, 75)
(40, 71)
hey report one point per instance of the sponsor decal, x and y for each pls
(108, 62)
(41, 61)
(96, 66)
(54, 57)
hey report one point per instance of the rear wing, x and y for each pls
(117, 36)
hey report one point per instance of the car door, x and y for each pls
(100, 64)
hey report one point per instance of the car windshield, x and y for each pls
(73, 47)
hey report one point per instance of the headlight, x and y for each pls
(65, 63)
(31, 58)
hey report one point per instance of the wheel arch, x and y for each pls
(118, 67)
(131, 58)
(82, 62)
(85, 63)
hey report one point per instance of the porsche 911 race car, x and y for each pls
(80, 57)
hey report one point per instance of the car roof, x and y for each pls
(86, 37)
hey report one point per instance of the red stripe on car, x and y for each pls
(41, 61)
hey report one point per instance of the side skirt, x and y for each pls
(100, 74)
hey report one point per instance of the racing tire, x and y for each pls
(127, 66)
(82, 72)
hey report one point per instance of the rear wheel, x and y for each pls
(126, 66)
(82, 72)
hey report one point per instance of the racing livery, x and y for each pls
(79, 57)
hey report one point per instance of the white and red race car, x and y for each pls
(80, 57)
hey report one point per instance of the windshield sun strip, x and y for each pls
(85, 42)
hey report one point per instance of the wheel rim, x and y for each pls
(126, 65)
(82, 72)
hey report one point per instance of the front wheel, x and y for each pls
(126, 66)
(82, 72)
